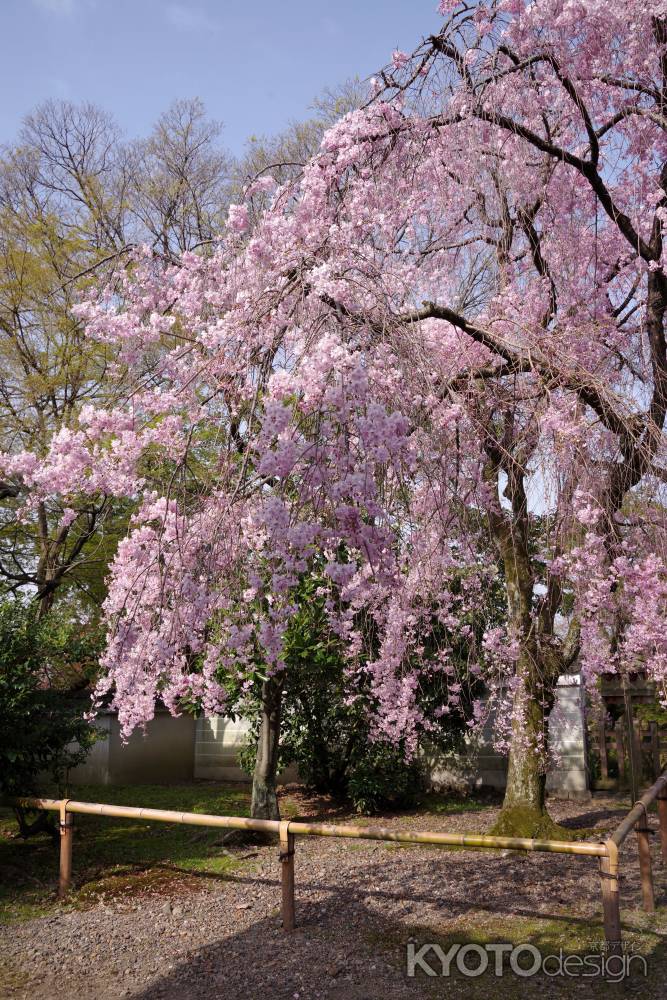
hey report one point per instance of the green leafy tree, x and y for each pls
(74, 199)
(324, 723)
(42, 729)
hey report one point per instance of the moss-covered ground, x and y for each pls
(118, 856)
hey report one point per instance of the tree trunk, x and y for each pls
(524, 813)
(540, 659)
(264, 804)
(526, 775)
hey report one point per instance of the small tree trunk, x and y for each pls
(264, 804)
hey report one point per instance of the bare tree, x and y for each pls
(74, 198)
(179, 180)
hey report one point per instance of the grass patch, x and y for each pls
(571, 935)
(438, 804)
(128, 851)
(11, 978)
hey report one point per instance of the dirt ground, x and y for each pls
(362, 909)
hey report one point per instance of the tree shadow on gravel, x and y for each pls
(351, 952)
(355, 922)
(477, 884)
(610, 817)
(351, 942)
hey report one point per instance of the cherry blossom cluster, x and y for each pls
(422, 367)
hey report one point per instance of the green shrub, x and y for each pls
(381, 778)
(325, 732)
(326, 717)
(42, 729)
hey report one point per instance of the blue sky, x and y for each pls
(255, 64)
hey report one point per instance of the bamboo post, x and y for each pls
(634, 765)
(655, 750)
(287, 875)
(662, 816)
(637, 761)
(620, 751)
(611, 912)
(644, 851)
(66, 831)
(602, 736)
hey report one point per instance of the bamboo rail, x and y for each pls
(287, 830)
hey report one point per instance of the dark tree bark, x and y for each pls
(264, 804)
(541, 655)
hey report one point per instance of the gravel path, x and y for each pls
(358, 905)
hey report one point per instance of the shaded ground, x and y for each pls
(108, 847)
(182, 929)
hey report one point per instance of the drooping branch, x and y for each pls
(587, 169)
(602, 401)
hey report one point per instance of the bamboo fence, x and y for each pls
(606, 851)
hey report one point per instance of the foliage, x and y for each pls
(651, 712)
(327, 722)
(74, 197)
(380, 777)
(39, 721)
